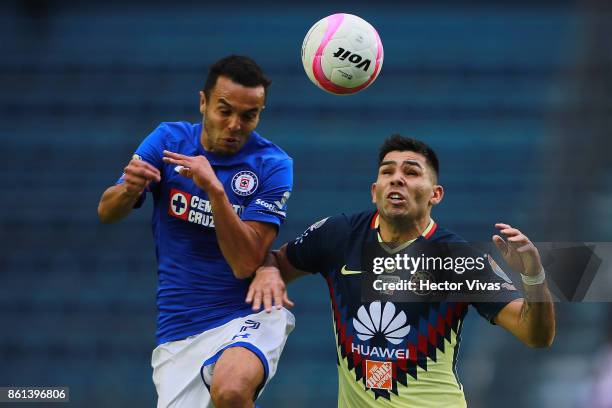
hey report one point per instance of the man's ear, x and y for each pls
(373, 192)
(437, 195)
(202, 102)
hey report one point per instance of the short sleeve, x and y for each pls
(315, 249)
(150, 150)
(494, 301)
(270, 201)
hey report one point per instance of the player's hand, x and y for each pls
(517, 250)
(197, 168)
(268, 288)
(138, 175)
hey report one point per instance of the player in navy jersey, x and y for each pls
(219, 191)
(394, 353)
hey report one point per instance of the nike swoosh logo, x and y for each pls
(345, 271)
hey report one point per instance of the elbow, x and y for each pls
(245, 261)
(240, 273)
(245, 269)
(541, 342)
(245, 266)
(104, 215)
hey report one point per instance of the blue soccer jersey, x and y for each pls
(197, 290)
(389, 353)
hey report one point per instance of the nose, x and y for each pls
(234, 123)
(397, 180)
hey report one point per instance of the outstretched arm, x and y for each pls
(532, 319)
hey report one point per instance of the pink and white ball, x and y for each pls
(342, 54)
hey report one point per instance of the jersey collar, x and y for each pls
(427, 233)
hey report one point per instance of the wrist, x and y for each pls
(215, 190)
(534, 279)
(533, 270)
(130, 195)
(264, 269)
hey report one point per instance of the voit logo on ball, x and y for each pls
(342, 54)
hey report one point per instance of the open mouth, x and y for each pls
(395, 198)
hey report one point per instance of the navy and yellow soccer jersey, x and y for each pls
(197, 290)
(390, 354)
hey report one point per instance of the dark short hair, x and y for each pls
(401, 143)
(240, 69)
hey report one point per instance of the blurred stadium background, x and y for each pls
(514, 95)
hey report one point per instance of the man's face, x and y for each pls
(230, 114)
(406, 187)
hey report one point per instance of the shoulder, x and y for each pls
(346, 224)
(178, 130)
(181, 137)
(363, 220)
(269, 152)
(325, 242)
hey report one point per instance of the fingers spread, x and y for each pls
(518, 238)
(521, 243)
(501, 225)
(498, 241)
(168, 153)
(249, 296)
(267, 300)
(177, 158)
(279, 291)
(286, 301)
(526, 247)
(509, 232)
(501, 245)
(180, 162)
(257, 300)
(186, 172)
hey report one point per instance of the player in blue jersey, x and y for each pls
(399, 349)
(219, 191)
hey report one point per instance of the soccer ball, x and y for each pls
(342, 54)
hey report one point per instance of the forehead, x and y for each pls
(239, 96)
(399, 157)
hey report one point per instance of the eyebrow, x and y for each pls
(224, 102)
(409, 162)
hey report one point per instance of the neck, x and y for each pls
(399, 231)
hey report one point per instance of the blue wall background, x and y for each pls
(514, 96)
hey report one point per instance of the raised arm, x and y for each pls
(532, 319)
